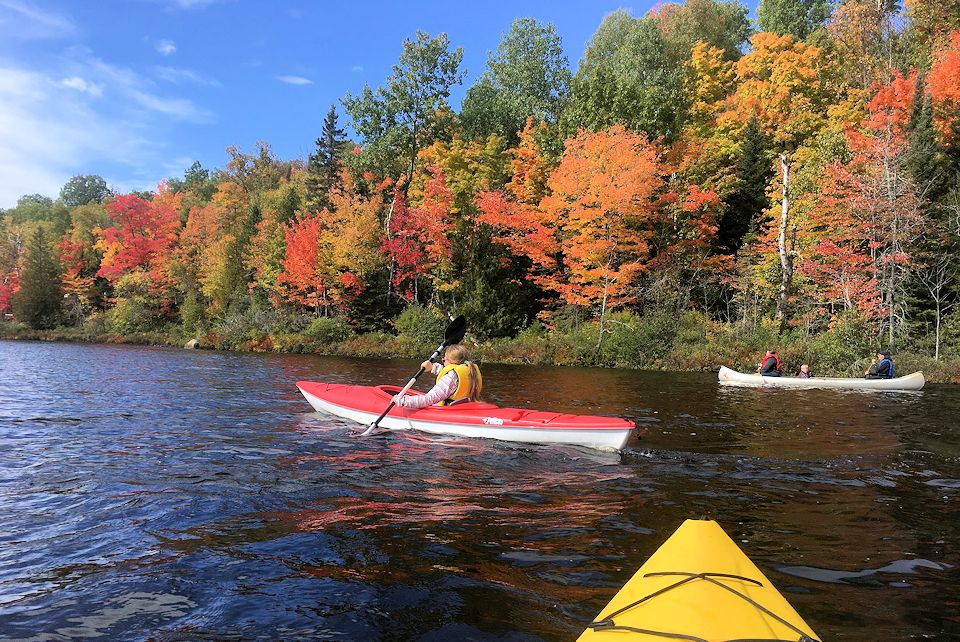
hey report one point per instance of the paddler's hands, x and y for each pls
(398, 399)
(427, 366)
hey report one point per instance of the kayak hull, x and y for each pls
(728, 377)
(364, 404)
(696, 576)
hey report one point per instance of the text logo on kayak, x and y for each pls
(493, 421)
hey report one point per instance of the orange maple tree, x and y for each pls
(604, 199)
(301, 280)
(944, 83)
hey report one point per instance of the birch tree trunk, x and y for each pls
(786, 257)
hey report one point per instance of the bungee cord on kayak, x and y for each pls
(607, 623)
(690, 575)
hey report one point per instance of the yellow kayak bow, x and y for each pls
(698, 586)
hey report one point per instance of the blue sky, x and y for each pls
(136, 90)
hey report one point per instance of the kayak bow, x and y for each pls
(698, 586)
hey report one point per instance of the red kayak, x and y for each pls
(470, 419)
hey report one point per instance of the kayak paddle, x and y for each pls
(453, 334)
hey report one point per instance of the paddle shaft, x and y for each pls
(409, 385)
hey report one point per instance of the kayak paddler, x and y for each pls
(881, 367)
(458, 380)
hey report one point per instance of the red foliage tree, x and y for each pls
(9, 284)
(418, 238)
(142, 236)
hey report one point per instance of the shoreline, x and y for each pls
(517, 351)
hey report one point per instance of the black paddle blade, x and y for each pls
(455, 331)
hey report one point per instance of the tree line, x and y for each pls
(800, 175)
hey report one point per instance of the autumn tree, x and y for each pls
(789, 87)
(267, 246)
(140, 237)
(302, 279)
(874, 211)
(864, 36)
(490, 287)
(933, 20)
(9, 285)
(214, 242)
(349, 245)
(80, 258)
(418, 242)
(944, 84)
(603, 201)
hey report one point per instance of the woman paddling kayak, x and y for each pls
(458, 380)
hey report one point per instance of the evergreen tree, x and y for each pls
(493, 293)
(935, 168)
(323, 167)
(39, 301)
(753, 173)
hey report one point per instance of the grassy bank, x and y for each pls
(688, 343)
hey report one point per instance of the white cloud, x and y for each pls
(136, 89)
(190, 4)
(179, 76)
(21, 20)
(179, 108)
(356, 68)
(187, 5)
(49, 131)
(166, 47)
(85, 116)
(78, 83)
(295, 80)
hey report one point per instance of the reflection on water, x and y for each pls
(171, 495)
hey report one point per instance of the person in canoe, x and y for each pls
(458, 380)
(881, 367)
(805, 372)
(770, 365)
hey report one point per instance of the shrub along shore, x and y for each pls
(691, 342)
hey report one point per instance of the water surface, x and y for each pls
(167, 494)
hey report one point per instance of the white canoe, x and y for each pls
(730, 377)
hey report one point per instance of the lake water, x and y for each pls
(167, 494)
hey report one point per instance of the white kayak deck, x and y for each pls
(730, 377)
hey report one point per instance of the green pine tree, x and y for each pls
(323, 167)
(40, 299)
(753, 173)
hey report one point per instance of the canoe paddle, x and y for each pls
(453, 334)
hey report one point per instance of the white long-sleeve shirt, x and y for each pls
(443, 389)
